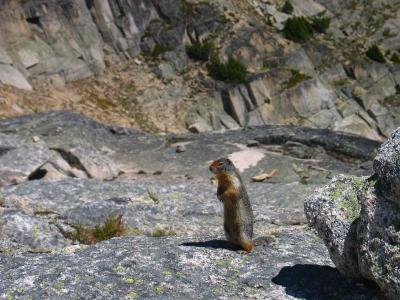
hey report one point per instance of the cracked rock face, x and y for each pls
(387, 166)
(358, 219)
(174, 245)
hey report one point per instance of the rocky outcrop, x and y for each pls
(28, 157)
(327, 82)
(76, 39)
(173, 235)
(358, 217)
(170, 267)
(387, 167)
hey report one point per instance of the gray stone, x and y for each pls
(180, 148)
(306, 99)
(199, 126)
(259, 91)
(178, 59)
(298, 60)
(93, 162)
(357, 125)
(252, 143)
(324, 119)
(255, 118)
(165, 71)
(380, 243)
(358, 217)
(333, 211)
(307, 7)
(18, 164)
(387, 167)
(334, 75)
(228, 122)
(4, 57)
(28, 230)
(359, 228)
(236, 105)
(182, 268)
(11, 76)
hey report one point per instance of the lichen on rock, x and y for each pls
(358, 219)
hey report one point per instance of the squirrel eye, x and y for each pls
(220, 164)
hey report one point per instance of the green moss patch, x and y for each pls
(345, 194)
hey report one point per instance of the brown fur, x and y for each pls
(238, 215)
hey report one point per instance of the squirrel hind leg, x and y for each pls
(247, 246)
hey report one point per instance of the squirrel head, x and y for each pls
(222, 165)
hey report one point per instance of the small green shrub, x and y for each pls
(231, 71)
(375, 54)
(112, 227)
(200, 51)
(287, 8)
(159, 49)
(395, 58)
(320, 24)
(296, 78)
(298, 29)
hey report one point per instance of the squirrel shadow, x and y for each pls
(223, 244)
(311, 282)
(214, 244)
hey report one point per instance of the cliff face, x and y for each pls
(129, 66)
(73, 39)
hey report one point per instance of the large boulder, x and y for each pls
(358, 219)
(333, 211)
(387, 166)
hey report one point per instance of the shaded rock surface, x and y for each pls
(175, 245)
(358, 221)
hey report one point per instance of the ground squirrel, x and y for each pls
(238, 214)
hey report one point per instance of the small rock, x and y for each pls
(157, 172)
(137, 61)
(35, 138)
(253, 143)
(180, 148)
(199, 126)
